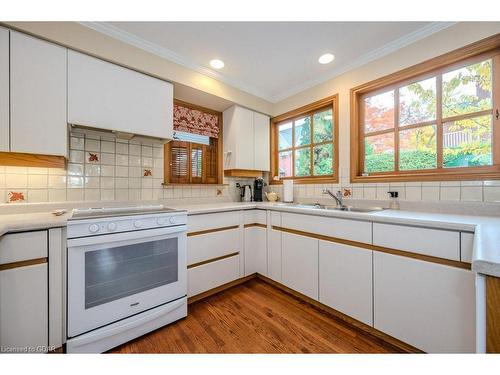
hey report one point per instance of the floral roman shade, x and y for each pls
(195, 121)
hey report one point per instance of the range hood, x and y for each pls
(118, 134)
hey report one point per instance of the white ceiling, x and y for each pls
(272, 60)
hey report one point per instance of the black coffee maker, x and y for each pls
(258, 186)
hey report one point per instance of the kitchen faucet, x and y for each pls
(338, 197)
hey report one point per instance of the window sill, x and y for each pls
(312, 180)
(479, 173)
(183, 184)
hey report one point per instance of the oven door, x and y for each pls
(114, 276)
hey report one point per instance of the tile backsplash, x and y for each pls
(459, 191)
(102, 167)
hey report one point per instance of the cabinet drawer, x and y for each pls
(212, 245)
(466, 246)
(360, 231)
(198, 223)
(212, 275)
(254, 216)
(23, 246)
(433, 242)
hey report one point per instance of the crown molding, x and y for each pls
(129, 38)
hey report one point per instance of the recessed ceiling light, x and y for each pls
(326, 58)
(217, 64)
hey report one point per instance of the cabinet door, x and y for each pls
(4, 90)
(274, 255)
(24, 308)
(300, 264)
(108, 96)
(345, 280)
(37, 96)
(427, 305)
(261, 141)
(255, 251)
(243, 120)
(238, 138)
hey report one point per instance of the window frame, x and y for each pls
(470, 54)
(168, 146)
(307, 110)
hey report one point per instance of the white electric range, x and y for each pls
(126, 272)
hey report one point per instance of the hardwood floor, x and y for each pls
(256, 317)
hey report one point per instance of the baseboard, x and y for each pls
(221, 288)
(362, 327)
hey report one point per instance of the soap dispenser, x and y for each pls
(394, 205)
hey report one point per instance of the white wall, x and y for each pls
(78, 37)
(437, 44)
(117, 174)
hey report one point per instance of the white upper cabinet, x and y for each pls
(238, 138)
(107, 96)
(37, 96)
(4, 90)
(261, 141)
(246, 139)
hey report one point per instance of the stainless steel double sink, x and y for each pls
(319, 206)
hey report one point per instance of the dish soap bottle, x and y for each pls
(394, 205)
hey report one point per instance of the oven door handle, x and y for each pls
(146, 234)
(120, 327)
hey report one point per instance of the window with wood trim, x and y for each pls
(195, 155)
(437, 120)
(304, 143)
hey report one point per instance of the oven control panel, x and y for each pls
(108, 225)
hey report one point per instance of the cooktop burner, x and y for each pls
(99, 212)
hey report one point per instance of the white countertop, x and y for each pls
(486, 256)
(31, 221)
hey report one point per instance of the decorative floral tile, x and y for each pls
(93, 157)
(347, 193)
(16, 196)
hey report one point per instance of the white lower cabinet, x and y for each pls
(209, 246)
(345, 280)
(214, 256)
(300, 264)
(255, 250)
(427, 305)
(31, 296)
(274, 255)
(213, 274)
(24, 309)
